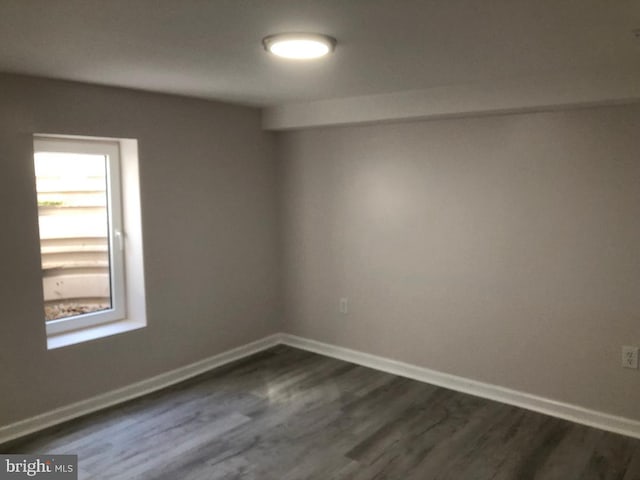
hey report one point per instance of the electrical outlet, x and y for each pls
(344, 305)
(629, 356)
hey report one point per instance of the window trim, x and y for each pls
(116, 237)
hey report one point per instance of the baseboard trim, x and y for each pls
(566, 411)
(114, 397)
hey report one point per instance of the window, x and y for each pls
(81, 193)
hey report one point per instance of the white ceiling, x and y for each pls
(212, 49)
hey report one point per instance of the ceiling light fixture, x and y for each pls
(299, 46)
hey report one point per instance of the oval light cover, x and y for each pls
(299, 46)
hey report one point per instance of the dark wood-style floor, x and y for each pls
(286, 414)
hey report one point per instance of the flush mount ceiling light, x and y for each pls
(299, 46)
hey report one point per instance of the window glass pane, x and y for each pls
(74, 226)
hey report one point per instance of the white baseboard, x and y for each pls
(114, 397)
(566, 411)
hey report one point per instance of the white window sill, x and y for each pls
(91, 333)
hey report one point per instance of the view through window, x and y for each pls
(79, 223)
(74, 243)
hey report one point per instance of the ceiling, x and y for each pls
(212, 48)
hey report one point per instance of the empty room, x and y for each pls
(320, 239)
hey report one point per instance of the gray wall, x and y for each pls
(504, 249)
(208, 192)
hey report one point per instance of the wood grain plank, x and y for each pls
(286, 414)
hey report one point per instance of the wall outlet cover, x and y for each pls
(344, 305)
(629, 356)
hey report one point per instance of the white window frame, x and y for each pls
(111, 151)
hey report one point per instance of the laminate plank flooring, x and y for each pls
(286, 414)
